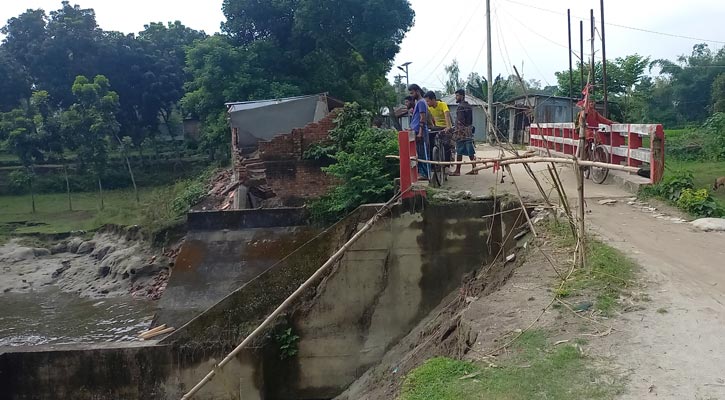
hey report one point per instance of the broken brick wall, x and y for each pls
(281, 170)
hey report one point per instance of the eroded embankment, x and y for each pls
(80, 290)
(384, 285)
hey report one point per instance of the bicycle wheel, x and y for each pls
(442, 157)
(587, 157)
(599, 174)
(436, 180)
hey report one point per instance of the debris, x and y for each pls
(583, 306)
(469, 376)
(710, 224)
(561, 342)
(511, 258)
(607, 202)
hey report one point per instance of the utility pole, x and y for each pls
(581, 53)
(489, 115)
(604, 65)
(571, 76)
(404, 68)
(594, 76)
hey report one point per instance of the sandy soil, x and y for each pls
(673, 348)
(106, 266)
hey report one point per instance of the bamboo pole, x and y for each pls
(582, 228)
(292, 298)
(559, 160)
(157, 333)
(527, 160)
(521, 200)
(152, 330)
(478, 160)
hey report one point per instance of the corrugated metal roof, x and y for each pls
(248, 105)
(472, 100)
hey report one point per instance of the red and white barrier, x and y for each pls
(624, 142)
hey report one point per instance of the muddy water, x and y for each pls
(51, 316)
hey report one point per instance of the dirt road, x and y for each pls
(674, 348)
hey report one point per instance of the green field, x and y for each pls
(52, 214)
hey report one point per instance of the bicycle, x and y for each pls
(439, 173)
(596, 150)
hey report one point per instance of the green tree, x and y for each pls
(453, 77)
(30, 132)
(503, 89)
(91, 123)
(718, 94)
(691, 78)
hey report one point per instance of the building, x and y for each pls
(479, 114)
(521, 112)
(269, 140)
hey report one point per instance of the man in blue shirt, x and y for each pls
(419, 125)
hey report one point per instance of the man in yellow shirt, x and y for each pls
(441, 118)
(439, 111)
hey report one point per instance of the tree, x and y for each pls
(91, 123)
(691, 78)
(453, 77)
(28, 132)
(223, 73)
(718, 94)
(503, 89)
(14, 82)
(329, 48)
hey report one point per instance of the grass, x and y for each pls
(160, 209)
(607, 275)
(705, 173)
(52, 215)
(535, 370)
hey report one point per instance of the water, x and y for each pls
(55, 317)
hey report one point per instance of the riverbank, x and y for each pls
(80, 290)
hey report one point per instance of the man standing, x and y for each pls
(441, 117)
(419, 126)
(464, 132)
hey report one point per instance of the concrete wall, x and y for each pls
(222, 251)
(385, 284)
(380, 290)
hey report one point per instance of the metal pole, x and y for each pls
(489, 77)
(594, 76)
(407, 77)
(571, 76)
(604, 65)
(581, 54)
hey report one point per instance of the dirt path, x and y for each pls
(673, 348)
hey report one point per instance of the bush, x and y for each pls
(679, 189)
(699, 203)
(704, 143)
(365, 175)
(672, 186)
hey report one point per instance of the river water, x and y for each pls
(51, 316)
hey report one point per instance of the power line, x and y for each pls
(446, 42)
(622, 26)
(470, 18)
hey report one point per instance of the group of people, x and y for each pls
(430, 117)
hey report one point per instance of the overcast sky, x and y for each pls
(531, 33)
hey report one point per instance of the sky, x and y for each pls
(531, 34)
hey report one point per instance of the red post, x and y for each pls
(408, 168)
